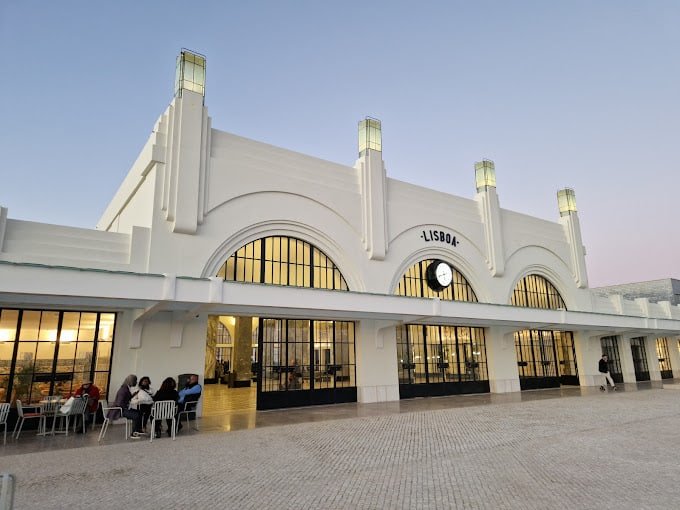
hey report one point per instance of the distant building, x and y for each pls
(656, 291)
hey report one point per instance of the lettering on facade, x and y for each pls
(439, 236)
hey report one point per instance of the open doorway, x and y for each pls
(230, 364)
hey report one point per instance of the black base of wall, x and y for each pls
(300, 398)
(536, 383)
(442, 389)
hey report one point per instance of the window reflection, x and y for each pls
(664, 358)
(45, 352)
(281, 260)
(413, 283)
(436, 354)
(543, 354)
(307, 355)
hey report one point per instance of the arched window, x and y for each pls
(534, 291)
(414, 284)
(279, 260)
(544, 358)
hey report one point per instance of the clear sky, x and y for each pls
(584, 94)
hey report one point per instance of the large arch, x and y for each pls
(287, 229)
(283, 260)
(540, 261)
(545, 358)
(439, 359)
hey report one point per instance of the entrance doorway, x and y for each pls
(637, 347)
(263, 363)
(610, 347)
(545, 359)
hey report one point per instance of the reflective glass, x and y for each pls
(413, 283)
(54, 350)
(280, 260)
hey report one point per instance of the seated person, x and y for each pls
(167, 391)
(88, 388)
(190, 393)
(142, 399)
(123, 397)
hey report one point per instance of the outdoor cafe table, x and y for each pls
(49, 408)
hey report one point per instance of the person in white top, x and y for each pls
(142, 399)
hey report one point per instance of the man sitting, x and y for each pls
(92, 392)
(190, 393)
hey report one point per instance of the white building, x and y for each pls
(317, 282)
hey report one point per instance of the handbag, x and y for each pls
(66, 408)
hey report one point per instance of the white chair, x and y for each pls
(4, 414)
(163, 410)
(105, 426)
(22, 417)
(48, 409)
(77, 408)
(189, 409)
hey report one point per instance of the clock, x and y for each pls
(439, 275)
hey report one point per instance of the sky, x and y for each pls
(581, 94)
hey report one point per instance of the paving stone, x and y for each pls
(604, 451)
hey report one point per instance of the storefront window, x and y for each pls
(46, 352)
(543, 356)
(664, 358)
(307, 355)
(281, 260)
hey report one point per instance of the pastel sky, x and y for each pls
(584, 94)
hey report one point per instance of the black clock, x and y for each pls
(439, 275)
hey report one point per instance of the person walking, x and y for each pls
(604, 370)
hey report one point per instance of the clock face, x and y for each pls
(439, 275)
(444, 274)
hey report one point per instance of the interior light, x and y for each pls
(6, 335)
(67, 335)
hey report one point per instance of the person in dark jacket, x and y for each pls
(123, 397)
(167, 391)
(604, 370)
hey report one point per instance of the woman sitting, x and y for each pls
(167, 391)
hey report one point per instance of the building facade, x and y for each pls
(312, 281)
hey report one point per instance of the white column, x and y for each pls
(501, 360)
(652, 358)
(490, 208)
(674, 354)
(588, 353)
(373, 184)
(626, 357)
(376, 355)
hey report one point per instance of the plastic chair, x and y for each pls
(4, 414)
(163, 410)
(77, 408)
(189, 409)
(105, 426)
(26, 416)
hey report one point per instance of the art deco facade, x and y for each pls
(315, 281)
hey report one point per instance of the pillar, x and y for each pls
(652, 358)
(626, 356)
(376, 355)
(588, 353)
(243, 339)
(501, 360)
(674, 354)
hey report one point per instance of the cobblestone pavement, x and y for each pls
(604, 451)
